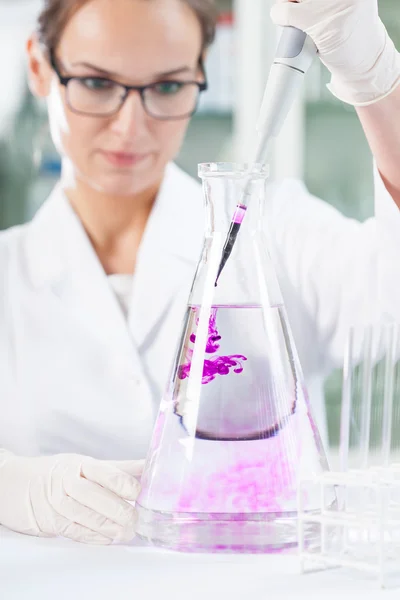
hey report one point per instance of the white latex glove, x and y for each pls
(352, 42)
(69, 495)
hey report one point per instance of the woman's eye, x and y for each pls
(91, 83)
(168, 88)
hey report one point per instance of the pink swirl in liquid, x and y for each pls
(217, 365)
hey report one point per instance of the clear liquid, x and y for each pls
(232, 486)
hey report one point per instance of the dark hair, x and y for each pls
(56, 14)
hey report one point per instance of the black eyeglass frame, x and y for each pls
(203, 86)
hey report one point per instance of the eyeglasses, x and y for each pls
(167, 100)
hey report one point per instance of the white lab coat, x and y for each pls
(74, 377)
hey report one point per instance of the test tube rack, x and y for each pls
(361, 530)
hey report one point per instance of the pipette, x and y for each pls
(295, 53)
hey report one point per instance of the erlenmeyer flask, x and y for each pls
(234, 428)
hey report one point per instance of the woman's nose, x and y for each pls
(131, 117)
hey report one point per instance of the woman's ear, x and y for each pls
(39, 69)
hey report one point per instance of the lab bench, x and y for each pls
(45, 569)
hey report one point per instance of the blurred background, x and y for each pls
(322, 141)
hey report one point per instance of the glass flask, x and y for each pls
(234, 429)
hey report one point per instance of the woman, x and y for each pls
(95, 287)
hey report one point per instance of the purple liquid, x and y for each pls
(248, 484)
(239, 214)
(217, 365)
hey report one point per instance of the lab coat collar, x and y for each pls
(175, 227)
(176, 224)
(43, 245)
(169, 253)
(59, 253)
(62, 260)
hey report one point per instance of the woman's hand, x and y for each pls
(69, 495)
(352, 42)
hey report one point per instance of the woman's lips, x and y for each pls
(123, 159)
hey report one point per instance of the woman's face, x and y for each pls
(134, 42)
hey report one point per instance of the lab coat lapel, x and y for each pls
(169, 253)
(61, 255)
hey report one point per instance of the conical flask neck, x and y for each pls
(232, 201)
(235, 199)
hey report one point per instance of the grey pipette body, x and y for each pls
(293, 58)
